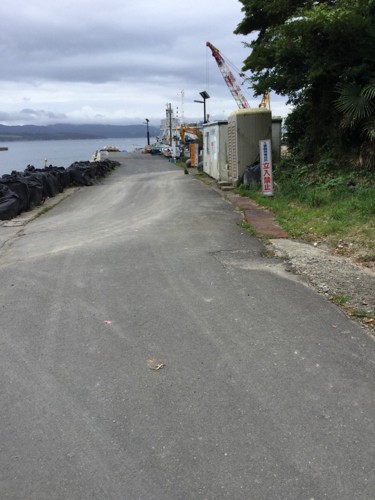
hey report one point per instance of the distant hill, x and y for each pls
(68, 131)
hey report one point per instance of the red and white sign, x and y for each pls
(266, 167)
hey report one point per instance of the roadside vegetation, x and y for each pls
(322, 203)
(321, 56)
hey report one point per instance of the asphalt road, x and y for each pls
(267, 390)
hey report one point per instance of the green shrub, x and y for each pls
(312, 200)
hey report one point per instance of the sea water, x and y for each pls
(59, 153)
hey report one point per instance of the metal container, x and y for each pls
(215, 150)
(246, 127)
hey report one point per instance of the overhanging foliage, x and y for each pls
(321, 56)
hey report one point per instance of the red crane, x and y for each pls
(229, 78)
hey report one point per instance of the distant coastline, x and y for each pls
(12, 133)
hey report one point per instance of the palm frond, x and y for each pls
(368, 129)
(369, 90)
(354, 103)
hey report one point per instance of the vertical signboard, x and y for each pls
(194, 152)
(266, 167)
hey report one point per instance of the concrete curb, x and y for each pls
(10, 228)
(26, 217)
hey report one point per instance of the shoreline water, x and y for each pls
(59, 153)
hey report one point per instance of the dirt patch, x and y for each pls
(349, 285)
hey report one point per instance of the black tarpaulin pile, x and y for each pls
(84, 173)
(21, 191)
(10, 203)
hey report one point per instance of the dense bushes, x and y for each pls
(21, 191)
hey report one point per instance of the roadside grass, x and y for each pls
(41, 212)
(180, 163)
(247, 227)
(319, 206)
(340, 300)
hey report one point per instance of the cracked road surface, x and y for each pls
(150, 351)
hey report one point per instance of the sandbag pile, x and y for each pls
(21, 191)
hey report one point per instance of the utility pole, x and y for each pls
(148, 132)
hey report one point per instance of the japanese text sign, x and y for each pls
(266, 167)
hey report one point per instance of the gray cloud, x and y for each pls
(41, 113)
(94, 53)
(28, 115)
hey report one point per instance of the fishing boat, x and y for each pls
(103, 152)
(111, 149)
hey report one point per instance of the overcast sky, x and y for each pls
(117, 61)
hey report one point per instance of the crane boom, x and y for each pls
(229, 78)
(265, 101)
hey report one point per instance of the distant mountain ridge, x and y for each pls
(69, 131)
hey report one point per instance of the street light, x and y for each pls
(148, 133)
(204, 96)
